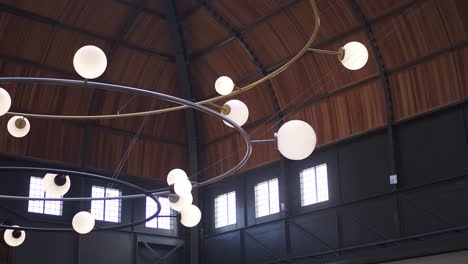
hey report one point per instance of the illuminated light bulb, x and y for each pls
(56, 185)
(176, 175)
(83, 222)
(183, 187)
(14, 238)
(191, 216)
(5, 101)
(296, 140)
(90, 62)
(224, 85)
(235, 110)
(18, 126)
(355, 55)
(183, 201)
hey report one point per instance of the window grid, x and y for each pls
(314, 185)
(106, 210)
(36, 190)
(159, 222)
(266, 198)
(225, 209)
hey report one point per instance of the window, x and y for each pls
(159, 222)
(225, 209)
(36, 190)
(266, 198)
(106, 210)
(314, 185)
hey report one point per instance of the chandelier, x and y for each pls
(295, 139)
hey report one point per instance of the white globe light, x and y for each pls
(191, 216)
(11, 240)
(18, 126)
(224, 85)
(183, 201)
(176, 175)
(355, 55)
(83, 222)
(296, 140)
(90, 62)
(183, 188)
(52, 188)
(5, 101)
(238, 112)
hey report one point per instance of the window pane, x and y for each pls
(164, 222)
(314, 185)
(97, 206)
(266, 198)
(225, 209)
(36, 190)
(322, 183)
(112, 207)
(274, 196)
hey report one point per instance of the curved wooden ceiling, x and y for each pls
(422, 44)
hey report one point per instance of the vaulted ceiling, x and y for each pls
(417, 63)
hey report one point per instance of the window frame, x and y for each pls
(269, 199)
(227, 209)
(104, 203)
(43, 203)
(156, 220)
(302, 181)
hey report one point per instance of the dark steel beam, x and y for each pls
(247, 49)
(48, 21)
(144, 9)
(183, 75)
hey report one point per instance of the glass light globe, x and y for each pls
(18, 126)
(183, 201)
(355, 55)
(183, 188)
(296, 140)
(191, 216)
(176, 175)
(224, 85)
(90, 62)
(238, 112)
(10, 238)
(52, 188)
(83, 222)
(5, 101)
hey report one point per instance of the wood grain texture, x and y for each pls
(455, 19)
(151, 33)
(424, 87)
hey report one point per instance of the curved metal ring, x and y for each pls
(237, 91)
(145, 192)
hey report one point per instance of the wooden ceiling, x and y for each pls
(422, 44)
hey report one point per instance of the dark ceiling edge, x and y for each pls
(248, 50)
(48, 21)
(97, 93)
(349, 87)
(144, 9)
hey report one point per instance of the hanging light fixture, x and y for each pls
(90, 62)
(190, 216)
(83, 222)
(14, 238)
(295, 139)
(5, 101)
(18, 126)
(56, 185)
(224, 85)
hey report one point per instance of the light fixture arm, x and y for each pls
(262, 141)
(340, 53)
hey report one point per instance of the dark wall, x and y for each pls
(132, 245)
(366, 218)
